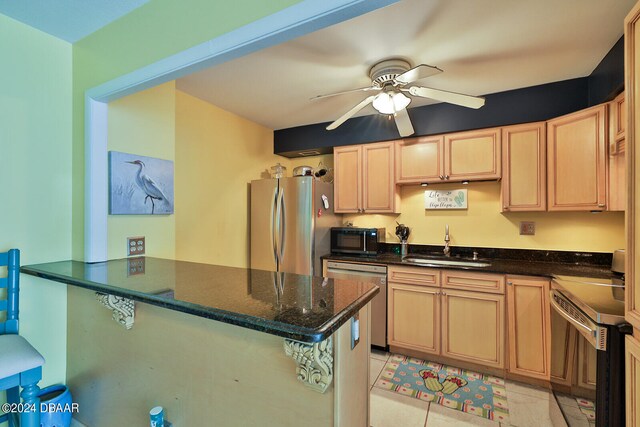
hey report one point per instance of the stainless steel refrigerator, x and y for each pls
(290, 224)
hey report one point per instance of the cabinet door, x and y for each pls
(379, 188)
(632, 90)
(586, 364)
(563, 342)
(414, 317)
(632, 380)
(472, 155)
(473, 327)
(524, 179)
(419, 160)
(576, 160)
(617, 156)
(347, 163)
(529, 318)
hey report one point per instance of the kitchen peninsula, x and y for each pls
(213, 345)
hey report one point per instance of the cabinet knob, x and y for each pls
(444, 293)
(509, 283)
(506, 208)
(446, 177)
(601, 205)
(441, 176)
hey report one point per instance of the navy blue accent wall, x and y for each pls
(607, 79)
(531, 104)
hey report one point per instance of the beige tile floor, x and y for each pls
(528, 407)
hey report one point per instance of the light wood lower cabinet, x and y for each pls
(414, 317)
(563, 342)
(632, 380)
(529, 319)
(473, 327)
(587, 355)
(447, 321)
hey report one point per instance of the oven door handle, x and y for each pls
(593, 335)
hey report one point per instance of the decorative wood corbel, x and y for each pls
(123, 308)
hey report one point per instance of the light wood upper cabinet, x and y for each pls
(364, 179)
(420, 160)
(473, 327)
(529, 324)
(347, 185)
(577, 162)
(617, 156)
(524, 172)
(414, 317)
(379, 193)
(473, 155)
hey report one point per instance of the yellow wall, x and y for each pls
(483, 225)
(35, 172)
(217, 155)
(144, 124)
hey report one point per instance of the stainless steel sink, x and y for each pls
(444, 261)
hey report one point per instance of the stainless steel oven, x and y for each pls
(587, 348)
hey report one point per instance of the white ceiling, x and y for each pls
(483, 46)
(69, 20)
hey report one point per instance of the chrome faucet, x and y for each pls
(447, 250)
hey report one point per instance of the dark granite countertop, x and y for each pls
(498, 265)
(297, 307)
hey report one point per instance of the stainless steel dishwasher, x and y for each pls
(377, 274)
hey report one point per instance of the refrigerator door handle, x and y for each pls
(282, 225)
(274, 226)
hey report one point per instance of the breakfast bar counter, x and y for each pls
(213, 345)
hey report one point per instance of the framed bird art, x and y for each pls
(140, 185)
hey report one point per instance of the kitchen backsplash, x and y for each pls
(483, 225)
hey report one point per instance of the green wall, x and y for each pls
(35, 171)
(150, 33)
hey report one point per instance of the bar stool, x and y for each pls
(20, 363)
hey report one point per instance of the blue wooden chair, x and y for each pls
(20, 363)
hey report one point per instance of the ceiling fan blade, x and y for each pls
(351, 112)
(446, 96)
(362, 89)
(418, 72)
(403, 122)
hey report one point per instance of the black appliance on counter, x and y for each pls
(595, 308)
(356, 241)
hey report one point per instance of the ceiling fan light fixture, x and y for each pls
(389, 102)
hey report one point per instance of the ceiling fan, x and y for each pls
(392, 79)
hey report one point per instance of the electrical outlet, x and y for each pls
(135, 245)
(136, 266)
(527, 228)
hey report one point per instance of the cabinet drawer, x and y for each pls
(414, 275)
(482, 282)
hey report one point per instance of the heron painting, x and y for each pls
(139, 185)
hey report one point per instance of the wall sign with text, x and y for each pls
(450, 199)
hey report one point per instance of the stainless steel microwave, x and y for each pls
(356, 241)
